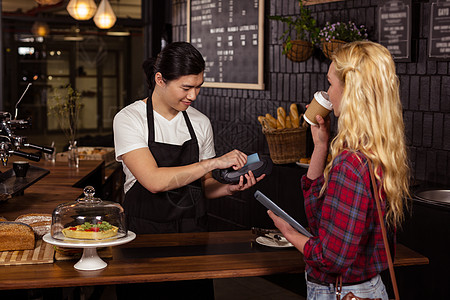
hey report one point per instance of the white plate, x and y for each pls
(262, 240)
(302, 164)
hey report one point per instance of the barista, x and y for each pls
(167, 149)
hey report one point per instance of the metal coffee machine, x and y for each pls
(10, 143)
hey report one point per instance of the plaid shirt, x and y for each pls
(344, 221)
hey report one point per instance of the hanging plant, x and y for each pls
(300, 36)
(333, 36)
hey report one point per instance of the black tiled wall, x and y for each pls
(425, 86)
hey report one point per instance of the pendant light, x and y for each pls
(48, 2)
(40, 29)
(104, 17)
(81, 9)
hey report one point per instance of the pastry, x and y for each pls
(88, 231)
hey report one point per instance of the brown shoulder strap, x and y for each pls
(383, 230)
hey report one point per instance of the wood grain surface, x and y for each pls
(59, 186)
(148, 258)
(42, 254)
(172, 257)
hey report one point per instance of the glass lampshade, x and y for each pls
(48, 2)
(40, 29)
(104, 17)
(81, 9)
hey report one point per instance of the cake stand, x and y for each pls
(90, 260)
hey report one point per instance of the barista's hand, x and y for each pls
(235, 159)
(251, 181)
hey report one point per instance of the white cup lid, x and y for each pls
(323, 99)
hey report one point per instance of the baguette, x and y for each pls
(272, 122)
(293, 112)
(261, 120)
(264, 122)
(281, 117)
(288, 122)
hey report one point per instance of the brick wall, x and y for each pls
(425, 86)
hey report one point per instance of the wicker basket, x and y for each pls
(300, 51)
(329, 47)
(286, 145)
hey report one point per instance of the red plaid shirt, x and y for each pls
(344, 221)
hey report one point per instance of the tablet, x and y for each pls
(281, 213)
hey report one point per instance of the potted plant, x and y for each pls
(333, 36)
(300, 36)
(66, 106)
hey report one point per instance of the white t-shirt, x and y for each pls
(131, 133)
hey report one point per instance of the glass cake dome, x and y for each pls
(88, 219)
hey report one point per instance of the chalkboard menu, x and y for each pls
(229, 34)
(394, 19)
(439, 40)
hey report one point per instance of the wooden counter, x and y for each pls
(149, 258)
(173, 257)
(63, 184)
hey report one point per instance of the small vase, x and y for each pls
(72, 157)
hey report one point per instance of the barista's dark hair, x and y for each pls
(175, 60)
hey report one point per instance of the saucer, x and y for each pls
(265, 241)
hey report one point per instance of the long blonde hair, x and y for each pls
(371, 120)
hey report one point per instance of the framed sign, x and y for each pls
(439, 39)
(230, 36)
(394, 21)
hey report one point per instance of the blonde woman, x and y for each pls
(339, 201)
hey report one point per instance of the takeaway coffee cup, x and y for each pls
(320, 105)
(21, 168)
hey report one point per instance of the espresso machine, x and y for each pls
(10, 143)
(13, 144)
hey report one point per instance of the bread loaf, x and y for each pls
(40, 223)
(288, 122)
(271, 120)
(293, 112)
(281, 114)
(16, 236)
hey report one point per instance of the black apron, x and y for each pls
(179, 210)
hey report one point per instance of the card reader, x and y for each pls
(254, 163)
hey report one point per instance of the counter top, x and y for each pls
(173, 257)
(148, 258)
(62, 184)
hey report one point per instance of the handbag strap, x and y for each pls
(383, 231)
(385, 240)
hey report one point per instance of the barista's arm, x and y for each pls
(143, 166)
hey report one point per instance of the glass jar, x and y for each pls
(72, 155)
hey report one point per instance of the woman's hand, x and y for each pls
(293, 236)
(321, 132)
(321, 136)
(241, 186)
